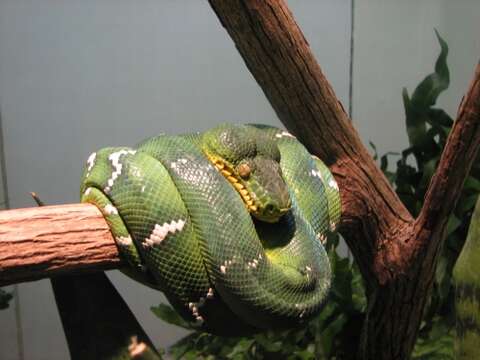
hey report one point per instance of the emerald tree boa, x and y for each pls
(229, 223)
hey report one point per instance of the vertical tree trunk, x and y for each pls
(396, 253)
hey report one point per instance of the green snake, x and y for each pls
(230, 224)
(466, 276)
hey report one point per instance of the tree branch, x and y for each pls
(456, 161)
(396, 254)
(278, 56)
(42, 242)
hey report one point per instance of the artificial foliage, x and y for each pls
(332, 334)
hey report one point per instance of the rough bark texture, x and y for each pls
(396, 254)
(47, 241)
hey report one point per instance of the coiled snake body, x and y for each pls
(229, 223)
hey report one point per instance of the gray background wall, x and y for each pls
(76, 76)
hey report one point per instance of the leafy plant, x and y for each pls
(427, 130)
(332, 333)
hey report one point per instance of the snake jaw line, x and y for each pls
(227, 172)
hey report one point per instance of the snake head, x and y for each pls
(251, 163)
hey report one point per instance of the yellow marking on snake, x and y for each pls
(224, 168)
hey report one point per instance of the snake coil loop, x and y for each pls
(229, 224)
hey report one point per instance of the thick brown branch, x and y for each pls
(391, 249)
(42, 242)
(280, 59)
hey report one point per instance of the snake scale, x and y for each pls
(229, 223)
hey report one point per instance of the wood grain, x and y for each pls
(42, 242)
(396, 254)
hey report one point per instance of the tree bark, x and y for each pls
(396, 253)
(47, 241)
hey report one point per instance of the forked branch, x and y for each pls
(456, 161)
(396, 254)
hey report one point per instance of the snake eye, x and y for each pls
(244, 171)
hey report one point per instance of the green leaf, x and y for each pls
(167, 314)
(427, 92)
(437, 345)
(453, 224)
(472, 184)
(428, 170)
(417, 108)
(375, 153)
(439, 117)
(241, 347)
(384, 160)
(306, 354)
(416, 123)
(467, 204)
(269, 345)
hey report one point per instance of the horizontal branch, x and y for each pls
(42, 242)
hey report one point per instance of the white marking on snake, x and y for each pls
(136, 349)
(332, 183)
(194, 309)
(210, 293)
(317, 174)
(223, 268)
(115, 159)
(322, 237)
(111, 210)
(124, 240)
(284, 133)
(143, 188)
(333, 226)
(148, 243)
(308, 268)
(160, 232)
(136, 172)
(90, 162)
(254, 263)
(87, 192)
(179, 161)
